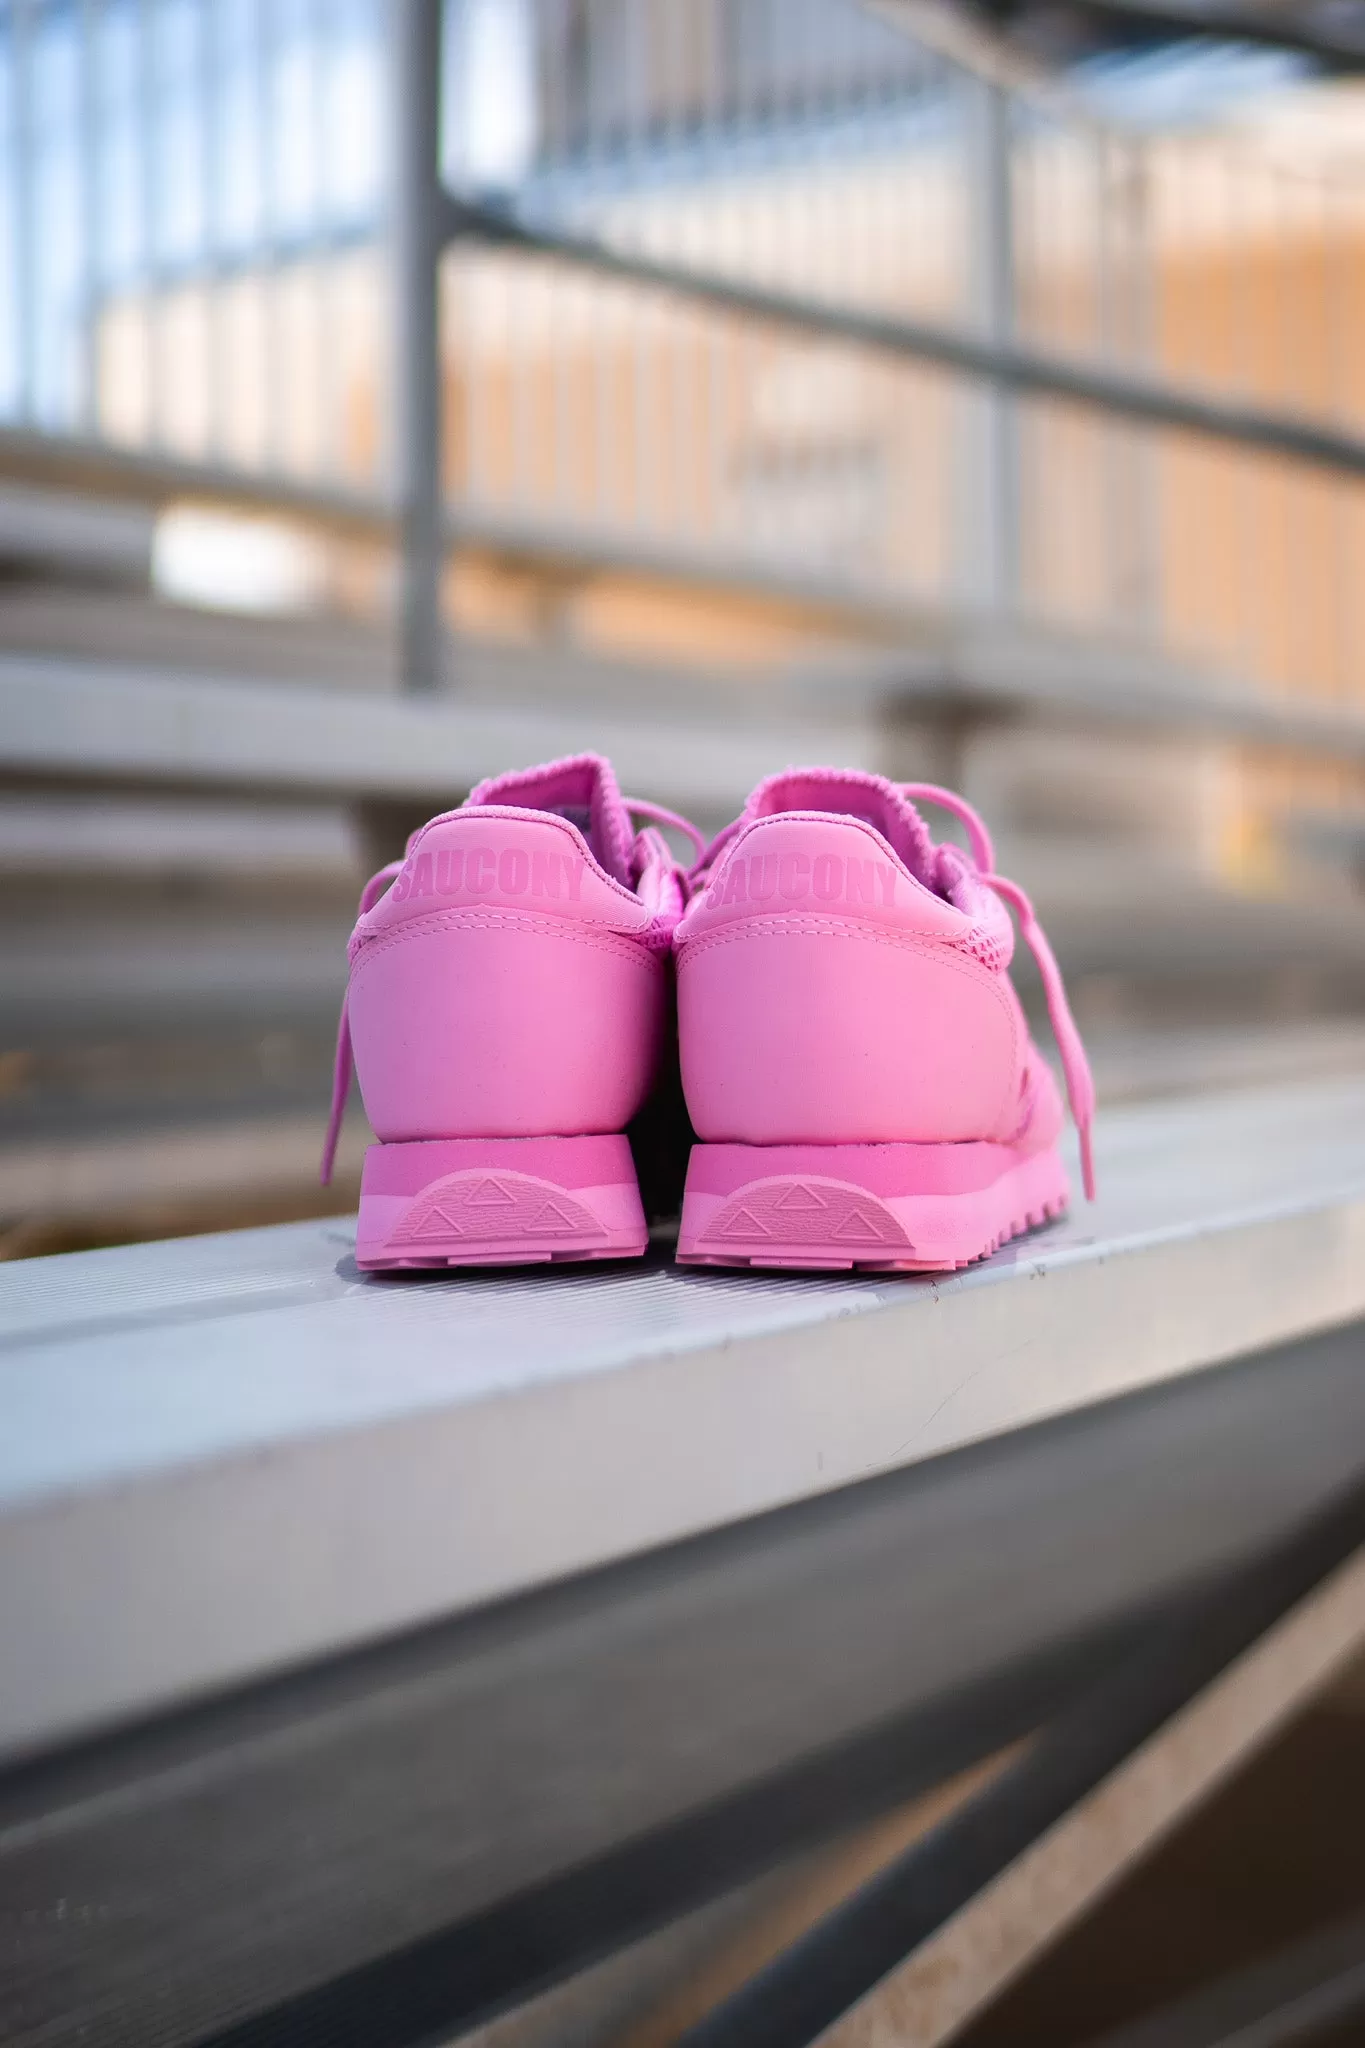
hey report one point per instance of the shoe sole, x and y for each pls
(874, 1208)
(498, 1202)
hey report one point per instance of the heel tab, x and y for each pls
(498, 857)
(815, 862)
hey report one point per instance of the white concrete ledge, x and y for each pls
(227, 1455)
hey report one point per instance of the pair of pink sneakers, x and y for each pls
(856, 1064)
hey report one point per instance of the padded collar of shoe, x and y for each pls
(581, 788)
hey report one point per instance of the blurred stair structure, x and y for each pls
(187, 818)
(190, 797)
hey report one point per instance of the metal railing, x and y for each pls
(737, 288)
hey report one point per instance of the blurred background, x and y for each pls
(389, 399)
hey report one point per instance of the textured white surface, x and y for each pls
(226, 1454)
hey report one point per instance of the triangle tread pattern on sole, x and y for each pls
(802, 1216)
(858, 1224)
(550, 1220)
(437, 1223)
(742, 1223)
(480, 1208)
(880, 1255)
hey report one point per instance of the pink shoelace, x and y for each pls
(1080, 1086)
(660, 816)
(342, 1065)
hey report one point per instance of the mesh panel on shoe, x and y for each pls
(581, 788)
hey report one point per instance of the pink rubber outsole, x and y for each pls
(879, 1208)
(498, 1202)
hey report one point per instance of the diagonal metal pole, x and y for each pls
(415, 240)
(1150, 400)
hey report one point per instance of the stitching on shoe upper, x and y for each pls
(617, 943)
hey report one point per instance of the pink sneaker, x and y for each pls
(507, 999)
(855, 1059)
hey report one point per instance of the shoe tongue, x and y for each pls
(850, 793)
(583, 790)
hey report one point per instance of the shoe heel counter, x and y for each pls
(825, 997)
(503, 988)
(498, 857)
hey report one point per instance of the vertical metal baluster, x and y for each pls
(1098, 594)
(414, 44)
(89, 136)
(1138, 191)
(832, 223)
(695, 393)
(783, 105)
(595, 84)
(1111, 507)
(1032, 429)
(536, 438)
(1101, 342)
(668, 314)
(802, 251)
(152, 323)
(520, 288)
(738, 523)
(601, 327)
(839, 98)
(552, 35)
(323, 254)
(501, 379)
(266, 21)
(1134, 343)
(22, 146)
(643, 391)
(991, 548)
(920, 292)
(1230, 473)
(910, 216)
(669, 317)
(634, 371)
(208, 52)
(1042, 464)
(559, 341)
(1268, 488)
(1323, 401)
(863, 266)
(718, 340)
(1071, 430)
(472, 300)
(465, 299)
(1058, 523)
(1152, 284)
(1347, 507)
(644, 326)
(684, 324)
(703, 342)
